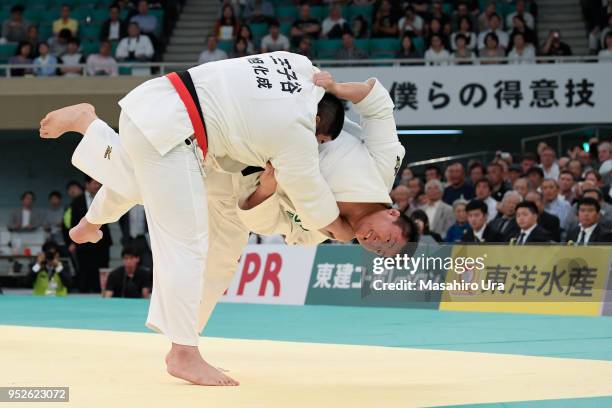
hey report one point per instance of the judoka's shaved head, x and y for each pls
(330, 116)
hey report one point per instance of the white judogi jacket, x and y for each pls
(257, 109)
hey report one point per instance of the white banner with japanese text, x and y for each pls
(493, 94)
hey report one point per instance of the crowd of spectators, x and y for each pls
(534, 198)
(598, 16)
(126, 32)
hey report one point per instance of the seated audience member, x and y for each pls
(477, 219)
(589, 229)
(476, 171)
(529, 230)
(465, 30)
(522, 186)
(521, 52)
(226, 27)
(59, 43)
(535, 175)
(547, 221)
(605, 218)
(548, 163)
(435, 27)
(21, 57)
(521, 12)
(349, 50)
(134, 232)
(26, 217)
(113, 29)
(65, 22)
(492, 49)
(462, 12)
(407, 49)
(494, 28)
(604, 156)
(400, 196)
(437, 13)
(411, 23)
(14, 29)
(102, 63)
(521, 28)
(360, 27)
(433, 173)
(212, 53)
(605, 55)
(528, 161)
(439, 214)
(49, 276)
(436, 54)
(385, 21)
(305, 48)
(462, 53)
(33, 40)
(416, 186)
(45, 64)
(495, 175)
(554, 47)
(504, 225)
(129, 280)
(240, 48)
(566, 186)
(334, 25)
(245, 32)
(422, 223)
(485, 17)
(461, 225)
(72, 59)
(554, 204)
(147, 22)
(457, 187)
(304, 26)
(258, 11)
(514, 173)
(135, 47)
(274, 41)
(483, 193)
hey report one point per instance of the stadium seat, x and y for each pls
(4, 15)
(104, 4)
(327, 49)
(99, 16)
(384, 47)
(7, 51)
(45, 32)
(159, 13)
(33, 15)
(325, 12)
(89, 32)
(285, 28)
(49, 16)
(286, 14)
(362, 44)
(419, 44)
(259, 30)
(317, 12)
(81, 14)
(90, 47)
(60, 3)
(365, 11)
(226, 45)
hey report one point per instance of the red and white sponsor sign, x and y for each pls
(274, 274)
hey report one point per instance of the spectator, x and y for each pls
(527, 221)
(305, 48)
(477, 219)
(21, 57)
(432, 173)
(521, 12)
(589, 229)
(411, 24)
(420, 219)
(59, 43)
(49, 276)
(349, 50)
(72, 59)
(514, 173)
(385, 21)
(605, 55)
(521, 27)
(521, 53)
(439, 213)
(274, 41)
(334, 25)
(594, 177)
(457, 187)
(554, 47)
(548, 163)
(14, 30)
(54, 217)
(494, 28)
(554, 204)
(535, 176)
(528, 161)
(416, 187)
(212, 53)
(437, 54)
(465, 30)
(245, 32)
(360, 27)
(522, 186)
(435, 28)
(597, 37)
(463, 13)
(492, 49)
(129, 280)
(102, 63)
(400, 196)
(548, 221)
(26, 217)
(476, 171)
(113, 29)
(258, 11)
(45, 64)
(462, 54)
(483, 193)
(90, 257)
(226, 27)
(566, 185)
(495, 175)
(605, 210)
(485, 16)
(239, 49)
(604, 156)
(65, 22)
(147, 22)
(135, 48)
(437, 13)
(34, 41)
(407, 48)
(504, 224)
(406, 176)
(304, 26)
(461, 226)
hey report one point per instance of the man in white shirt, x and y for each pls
(548, 163)
(483, 192)
(520, 11)
(333, 22)
(257, 109)
(274, 41)
(495, 24)
(135, 47)
(437, 54)
(211, 53)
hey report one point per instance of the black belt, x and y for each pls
(185, 77)
(251, 170)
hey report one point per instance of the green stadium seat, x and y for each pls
(81, 14)
(362, 44)
(99, 16)
(4, 15)
(419, 44)
(45, 31)
(60, 3)
(159, 13)
(365, 11)
(317, 12)
(258, 30)
(327, 49)
(384, 47)
(33, 15)
(104, 4)
(345, 12)
(89, 32)
(125, 71)
(90, 47)
(50, 16)
(36, 4)
(7, 51)
(285, 28)
(447, 8)
(123, 14)
(226, 45)
(286, 14)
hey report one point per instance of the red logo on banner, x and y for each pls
(252, 268)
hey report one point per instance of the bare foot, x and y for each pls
(85, 232)
(75, 118)
(186, 363)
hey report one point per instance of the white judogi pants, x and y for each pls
(173, 192)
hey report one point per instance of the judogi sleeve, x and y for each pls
(379, 132)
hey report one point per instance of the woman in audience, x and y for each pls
(240, 48)
(407, 48)
(492, 49)
(227, 26)
(422, 222)
(435, 28)
(465, 29)
(520, 27)
(605, 55)
(245, 32)
(463, 54)
(45, 64)
(437, 54)
(360, 27)
(22, 56)
(522, 52)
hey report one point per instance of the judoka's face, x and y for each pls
(380, 233)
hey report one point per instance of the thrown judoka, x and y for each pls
(240, 112)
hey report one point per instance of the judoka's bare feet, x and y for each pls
(85, 232)
(75, 118)
(186, 363)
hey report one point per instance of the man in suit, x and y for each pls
(504, 224)
(546, 220)
(440, 214)
(605, 212)
(589, 229)
(527, 220)
(90, 257)
(477, 218)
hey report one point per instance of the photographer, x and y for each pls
(49, 276)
